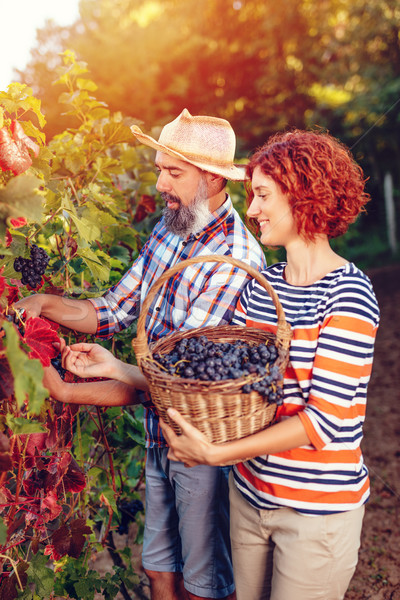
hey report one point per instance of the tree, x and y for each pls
(245, 61)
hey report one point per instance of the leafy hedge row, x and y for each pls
(68, 476)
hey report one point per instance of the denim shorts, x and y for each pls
(187, 524)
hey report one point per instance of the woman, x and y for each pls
(297, 505)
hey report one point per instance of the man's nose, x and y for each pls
(162, 182)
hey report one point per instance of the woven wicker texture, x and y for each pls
(219, 409)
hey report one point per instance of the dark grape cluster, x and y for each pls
(205, 360)
(32, 268)
(56, 362)
(128, 511)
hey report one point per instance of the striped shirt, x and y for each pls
(200, 295)
(334, 323)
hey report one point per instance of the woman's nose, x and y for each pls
(253, 210)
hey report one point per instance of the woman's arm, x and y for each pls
(96, 393)
(92, 360)
(192, 447)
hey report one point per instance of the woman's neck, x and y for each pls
(307, 262)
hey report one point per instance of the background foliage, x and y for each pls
(264, 66)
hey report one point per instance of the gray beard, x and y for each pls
(185, 220)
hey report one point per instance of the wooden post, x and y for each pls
(390, 211)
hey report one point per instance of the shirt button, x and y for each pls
(157, 308)
(184, 243)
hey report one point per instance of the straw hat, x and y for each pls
(207, 142)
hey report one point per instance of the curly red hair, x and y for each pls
(324, 184)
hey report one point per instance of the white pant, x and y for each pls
(284, 555)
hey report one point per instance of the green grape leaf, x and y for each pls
(21, 197)
(40, 575)
(97, 262)
(3, 532)
(110, 499)
(86, 84)
(20, 425)
(87, 230)
(116, 133)
(121, 253)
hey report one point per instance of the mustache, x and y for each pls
(169, 197)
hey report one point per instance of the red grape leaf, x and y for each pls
(14, 151)
(5, 462)
(12, 293)
(53, 324)
(74, 479)
(146, 205)
(39, 335)
(70, 539)
(49, 507)
(20, 136)
(61, 540)
(13, 156)
(78, 531)
(19, 222)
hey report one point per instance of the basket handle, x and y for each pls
(283, 333)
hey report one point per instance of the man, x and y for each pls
(186, 550)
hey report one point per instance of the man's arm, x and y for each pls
(79, 315)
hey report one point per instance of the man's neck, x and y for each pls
(214, 202)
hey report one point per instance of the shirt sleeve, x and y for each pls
(120, 306)
(340, 376)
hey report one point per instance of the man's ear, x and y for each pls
(216, 183)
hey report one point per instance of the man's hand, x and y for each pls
(31, 305)
(88, 360)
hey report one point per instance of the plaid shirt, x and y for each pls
(200, 295)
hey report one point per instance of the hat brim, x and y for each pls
(231, 172)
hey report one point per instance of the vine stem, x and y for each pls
(112, 471)
(34, 234)
(14, 566)
(19, 478)
(108, 449)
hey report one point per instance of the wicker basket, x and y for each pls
(219, 409)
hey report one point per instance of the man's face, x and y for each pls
(183, 187)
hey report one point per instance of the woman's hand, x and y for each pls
(192, 447)
(88, 360)
(54, 384)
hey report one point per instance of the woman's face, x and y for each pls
(270, 207)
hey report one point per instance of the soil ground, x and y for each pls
(377, 576)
